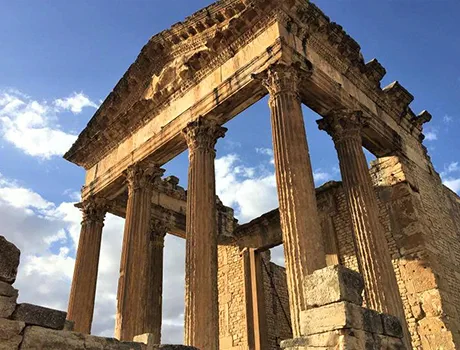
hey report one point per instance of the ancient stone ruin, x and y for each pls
(395, 223)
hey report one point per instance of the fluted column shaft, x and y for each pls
(300, 224)
(381, 288)
(133, 286)
(154, 305)
(201, 303)
(83, 290)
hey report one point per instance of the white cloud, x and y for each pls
(448, 176)
(431, 135)
(251, 192)
(267, 152)
(320, 177)
(453, 184)
(75, 103)
(32, 126)
(447, 119)
(47, 235)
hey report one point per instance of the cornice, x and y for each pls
(103, 134)
(222, 29)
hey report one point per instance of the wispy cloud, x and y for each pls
(447, 119)
(33, 126)
(431, 135)
(75, 103)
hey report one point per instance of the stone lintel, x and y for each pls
(333, 284)
(40, 316)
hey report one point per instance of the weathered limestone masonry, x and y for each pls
(190, 80)
(381, 289)
(31, 327)
(336, 320)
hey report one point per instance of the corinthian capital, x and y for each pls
(144, 175)
(203, 134)
(343, 124)
(281, 78)
(94, 210)
(160, 225)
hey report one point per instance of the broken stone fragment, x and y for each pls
(7, 306)
(9, 261)
(7, 290)
(331, 285)
(40, 316)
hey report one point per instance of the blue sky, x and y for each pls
(61, 58)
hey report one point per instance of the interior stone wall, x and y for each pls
(276, 304)
(232, 302)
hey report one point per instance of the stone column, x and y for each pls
(201, 308)
(154, 305)
(134, 282)
(300, 224)
(83, 291)
(381, 289)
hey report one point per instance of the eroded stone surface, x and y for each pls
(39, 338)
(7, 306)
(40, 316)
(9, 260)
(10, 334)
(333, 284)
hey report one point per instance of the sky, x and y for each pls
(60, 59)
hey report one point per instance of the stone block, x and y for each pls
(385, 342)
(10, 334)
(348, 338)
(7, 306)
(7, 290)
(391, 326)
(339, 316)
(173, 347)
(39, 338)
(9, 261)
(331, 285)
(40, 316)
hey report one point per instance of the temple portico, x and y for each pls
(186, 84)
